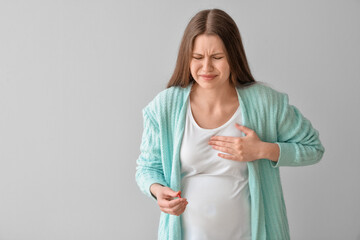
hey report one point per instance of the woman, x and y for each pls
(218, 137)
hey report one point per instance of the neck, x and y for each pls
(212, 98)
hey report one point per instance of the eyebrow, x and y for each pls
(210, 55)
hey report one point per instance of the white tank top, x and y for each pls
(216, 188)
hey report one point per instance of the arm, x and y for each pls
(297, 140)
(149, 164)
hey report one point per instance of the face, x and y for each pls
(209, 65)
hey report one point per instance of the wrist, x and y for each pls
(270, 151)
(154, 188)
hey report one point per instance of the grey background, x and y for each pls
(74, 76)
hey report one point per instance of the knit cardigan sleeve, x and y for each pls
(298, 141)
(149, 163)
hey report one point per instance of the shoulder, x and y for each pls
(166, 100)
(260, 89)
(261, 92)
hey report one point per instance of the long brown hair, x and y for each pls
(212, 21)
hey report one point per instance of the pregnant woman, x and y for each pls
(214, 140)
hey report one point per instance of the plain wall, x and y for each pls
(74, 76)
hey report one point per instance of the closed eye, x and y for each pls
(217, 58)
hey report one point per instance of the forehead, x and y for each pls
(208, 43)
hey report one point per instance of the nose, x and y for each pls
(207, 66)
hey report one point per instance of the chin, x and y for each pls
(208, 84)
(205, 84)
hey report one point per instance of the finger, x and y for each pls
(220, 143)
(169, 204)
(177, 210)
(171, 193)
(168, 194)
(179, 207)
(176, 202)
(243, 129)
(229, 157)
(182, 210)
(168, 211)
(224, 149)
(223, 138)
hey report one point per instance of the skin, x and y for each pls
(167, 201)
(210, 92)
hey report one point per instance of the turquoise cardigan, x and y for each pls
(264, 110)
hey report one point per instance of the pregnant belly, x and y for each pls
(216, 203)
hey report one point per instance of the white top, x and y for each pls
(216, 188)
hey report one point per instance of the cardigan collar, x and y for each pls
(187, 94)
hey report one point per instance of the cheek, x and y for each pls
(193, 68)
(224, 68)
